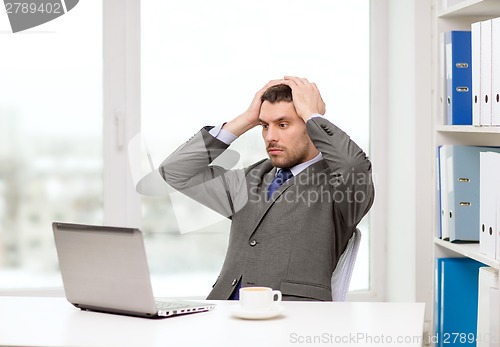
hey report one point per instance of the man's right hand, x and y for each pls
(250, 118)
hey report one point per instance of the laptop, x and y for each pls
(105, 269)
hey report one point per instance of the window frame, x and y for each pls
(378, 152)
(121, 109)
(122, 119)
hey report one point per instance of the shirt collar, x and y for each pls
(302, 166)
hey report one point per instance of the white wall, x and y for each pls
(400, 284)
(409, 146)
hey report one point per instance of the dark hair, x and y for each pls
(277, 93)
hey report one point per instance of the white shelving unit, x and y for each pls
(459, 17)
(467, 129)
(468, 8)
(470, 250)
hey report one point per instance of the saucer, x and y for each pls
(272, 312)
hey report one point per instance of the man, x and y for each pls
(292, 214)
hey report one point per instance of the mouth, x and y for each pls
(274, 150)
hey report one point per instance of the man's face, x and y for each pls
(285, 135)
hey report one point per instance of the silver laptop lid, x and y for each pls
(104, 268)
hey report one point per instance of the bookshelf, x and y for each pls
(470, 250)
(458, 17)
(469, 8)
(467, 129)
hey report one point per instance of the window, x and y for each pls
(201, 64)
(50, 140)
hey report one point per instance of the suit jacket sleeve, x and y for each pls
(188, 169)
(351, 173)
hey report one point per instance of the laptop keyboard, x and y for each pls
(165, 305)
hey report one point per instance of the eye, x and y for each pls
(264, 126)
(283, 125)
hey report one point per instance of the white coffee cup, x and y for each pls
(259, 298)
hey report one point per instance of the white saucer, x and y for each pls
(272, 312)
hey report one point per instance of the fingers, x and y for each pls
(296, 79)
(306, 96)
(252, 113)
(300, 82)
(267, 86)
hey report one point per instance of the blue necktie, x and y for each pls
(235, 295)
(282, 176)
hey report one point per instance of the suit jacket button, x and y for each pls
(234, 282)
(253, 243)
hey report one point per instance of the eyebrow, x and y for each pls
(281, 119)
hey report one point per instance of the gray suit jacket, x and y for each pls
(292, 242)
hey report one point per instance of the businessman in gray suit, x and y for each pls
(293, 213)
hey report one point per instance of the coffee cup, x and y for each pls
(259, 298)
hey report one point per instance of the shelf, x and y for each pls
(458, 16)
(467, 128)
(470, 250)
(487, 8)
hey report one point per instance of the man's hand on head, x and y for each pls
(253, 112)
(250, 118)
(306, 97)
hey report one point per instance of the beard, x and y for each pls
(289, 157)
(300, 150)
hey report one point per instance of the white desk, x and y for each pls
(35, 321)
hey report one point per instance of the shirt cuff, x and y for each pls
(314, 115)
(222, 134)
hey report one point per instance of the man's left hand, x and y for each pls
(306, 97)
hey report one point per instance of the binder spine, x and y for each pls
(495, 72)
(459, 77)
(476, 72)
(486, 73)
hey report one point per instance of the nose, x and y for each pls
(271, 135)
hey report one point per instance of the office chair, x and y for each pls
(341, 276)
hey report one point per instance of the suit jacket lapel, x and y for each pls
(265, 204)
